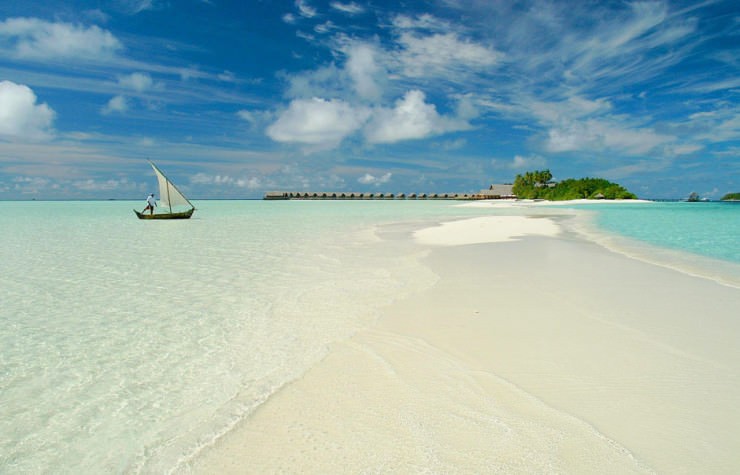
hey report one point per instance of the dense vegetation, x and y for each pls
(731, 196)
(537, 185)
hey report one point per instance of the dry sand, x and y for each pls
(541, 354)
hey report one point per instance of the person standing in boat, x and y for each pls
(151, 203)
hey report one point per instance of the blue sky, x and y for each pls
(235, 98)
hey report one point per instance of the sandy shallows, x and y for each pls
(540, 355)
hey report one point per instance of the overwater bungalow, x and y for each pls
(494, 192)
(276, 195)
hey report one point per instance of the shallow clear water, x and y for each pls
(127, 346)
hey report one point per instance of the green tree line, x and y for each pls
(537, 185)
(731, 197)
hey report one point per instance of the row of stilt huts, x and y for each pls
(493, 192)
(368, 196)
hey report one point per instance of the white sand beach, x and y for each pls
(534, 353)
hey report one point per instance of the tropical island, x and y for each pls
(538, 185)
(731, 197)
(532, 185)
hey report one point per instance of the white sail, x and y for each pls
(169, 195)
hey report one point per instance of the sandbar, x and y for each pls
(534, 352)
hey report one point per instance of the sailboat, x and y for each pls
(169, 196)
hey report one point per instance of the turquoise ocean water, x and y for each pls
(128, 346)
(710, 229)
(696, 238)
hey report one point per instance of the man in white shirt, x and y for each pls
(151, 203)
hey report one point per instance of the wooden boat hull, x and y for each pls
(182, 215)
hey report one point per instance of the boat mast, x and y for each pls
(169, 202)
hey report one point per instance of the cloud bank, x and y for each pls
(40, 40)
(317, 121)
(20, 116)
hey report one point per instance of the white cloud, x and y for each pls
(246, 115)
(645, 17)
(364, 70)
(322, 82)
(138, 82)
(456, 144)
(442, 54)
(116, 104)
(317, 121)
(325, 27)
(639, 168)
(683, 149)
(598, 135)
(531, 162)
(626, 45)
(581, 124)
(350, 8)
(430, 46)
(466, 107)
(133, 7)
(20, 115)
(107, 185)
(97, 15)
(31, 185)
(323, 122)
(520, 162)
(35, 39)
(227, 76)
(411, 118)
(368, 179)
(305, 9)
(421, 22)
(718, 125)
(362, 77)
(251, 183)
(601, 49)
(571, 108)
(142, 5)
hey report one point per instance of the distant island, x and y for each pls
(538, 185)
(731, 197)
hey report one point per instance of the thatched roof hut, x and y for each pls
(495, 192)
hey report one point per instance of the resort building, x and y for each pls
(497, 192)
